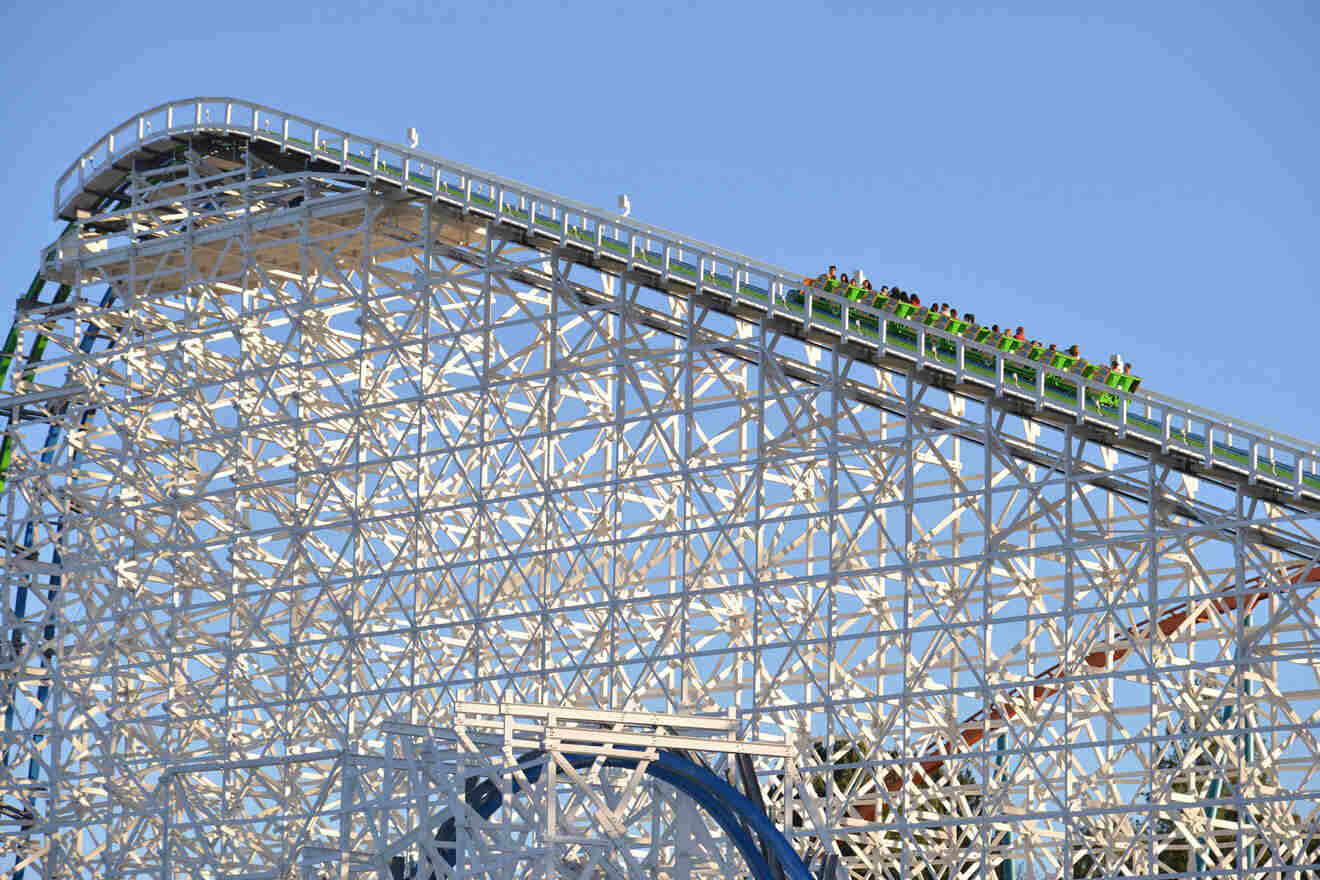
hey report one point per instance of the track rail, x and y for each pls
(978, 726)
(1200, 438)
(768, 853)
(1144, 421)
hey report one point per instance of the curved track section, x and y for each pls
(746, 824)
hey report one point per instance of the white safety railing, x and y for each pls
(1202, 435)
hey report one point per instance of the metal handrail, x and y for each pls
(707, 261)
(429, 158)
(1229, 421)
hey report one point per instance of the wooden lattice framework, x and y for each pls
(307, 454)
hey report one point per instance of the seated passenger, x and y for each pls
(851, 289)
(953, 313)
(1021, 334)
(866, 284)
(915, 300)
(1073, 351)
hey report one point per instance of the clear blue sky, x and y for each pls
(1141, 177)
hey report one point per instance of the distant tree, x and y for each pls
(1202, 768)
(944, 852)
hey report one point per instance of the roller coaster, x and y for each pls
(315, 442)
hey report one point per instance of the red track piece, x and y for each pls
(1049, 682)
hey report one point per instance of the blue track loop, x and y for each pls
(744, 822)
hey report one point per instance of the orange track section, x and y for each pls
(1049, 682)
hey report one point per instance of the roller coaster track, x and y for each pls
(1185, 437)
(1181, 434)
(48, 449)
(486, 798)
(768, 853)
(35, 354)
(1049, 682)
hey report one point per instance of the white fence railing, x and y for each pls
(1201, 434)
